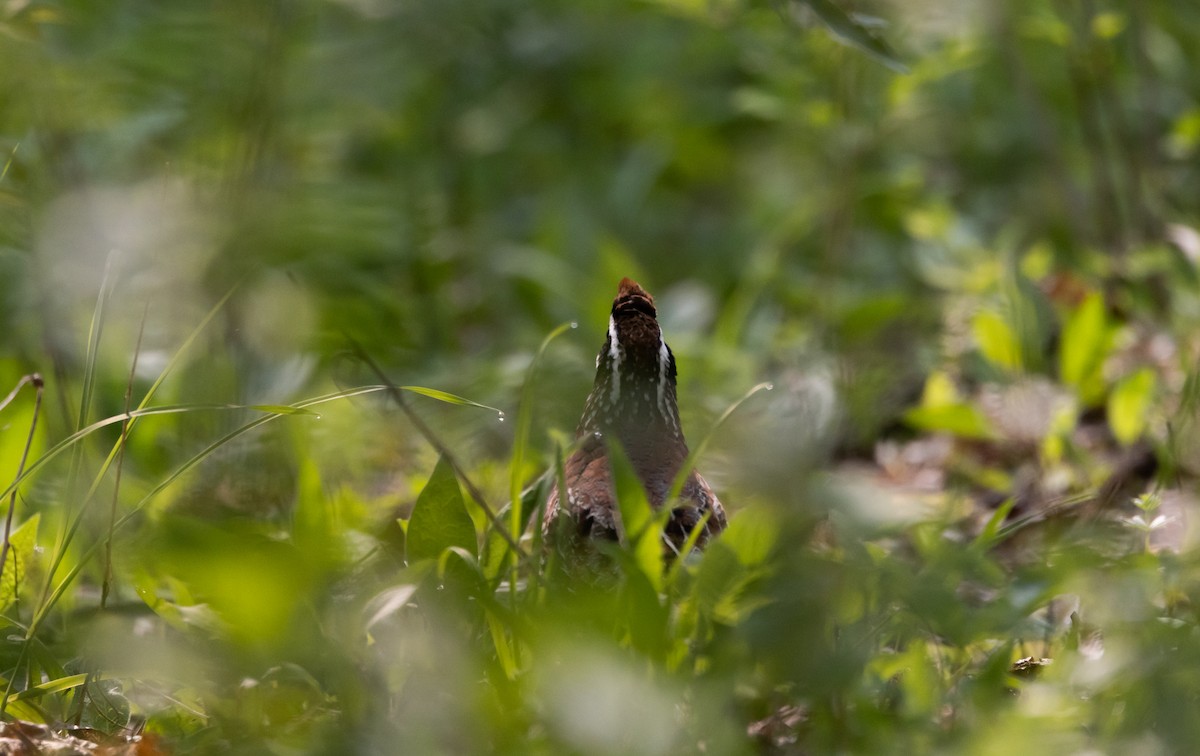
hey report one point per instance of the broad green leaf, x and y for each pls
(646, 614)
(851, 30)
(439, 518)
(640, 528)
(997, 340)
(1128, 405)
(253, 583)
(752, 535)
(23, 540)
(1086, 338)
(741, 554)
(719, 580)
(942, 409)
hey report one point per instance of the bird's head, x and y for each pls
(635, 371)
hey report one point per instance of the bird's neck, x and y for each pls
(634, 399)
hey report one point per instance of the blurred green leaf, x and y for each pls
(991, 528)
(1129, 404)
(1086, 340)
(253, 583)
(943, 410)
(740, 555)
(964, 420)
(997, 340)
(50, 686)
(850, 29)
(439, 518)
(313, 529)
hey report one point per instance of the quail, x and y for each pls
(633, 402)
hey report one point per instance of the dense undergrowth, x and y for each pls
(1012, 598)
(283, 270)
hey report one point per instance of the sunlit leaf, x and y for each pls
(313, 528)
(1086, 338)
(964, 420)
(996, 340)
(253, 583)
(22, 542)
(447, 397)
(1129, 403)
(939, 391)
(439, 518)
(741, 553)
(1108, 25)
(51, 686)
(752, 535)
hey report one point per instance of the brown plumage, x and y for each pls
(633, 399)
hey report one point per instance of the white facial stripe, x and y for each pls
(614, 353)
(664, 362)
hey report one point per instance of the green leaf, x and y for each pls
(742, 553)
(52, 686)
(1128, 405)
(943, 410)
(448, 398)
(752, 535)
(282, 409)
(991, 530)
(851, 30)
(997, 340)
(939, 391)
(640, 528)
(962, 420)
(439, 519)
(313, 529)
(1086, 339)
(23, 540)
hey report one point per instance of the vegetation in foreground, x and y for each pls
(960, 520)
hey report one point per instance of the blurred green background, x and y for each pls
(872, 205)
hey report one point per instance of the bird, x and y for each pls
(632, 402)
